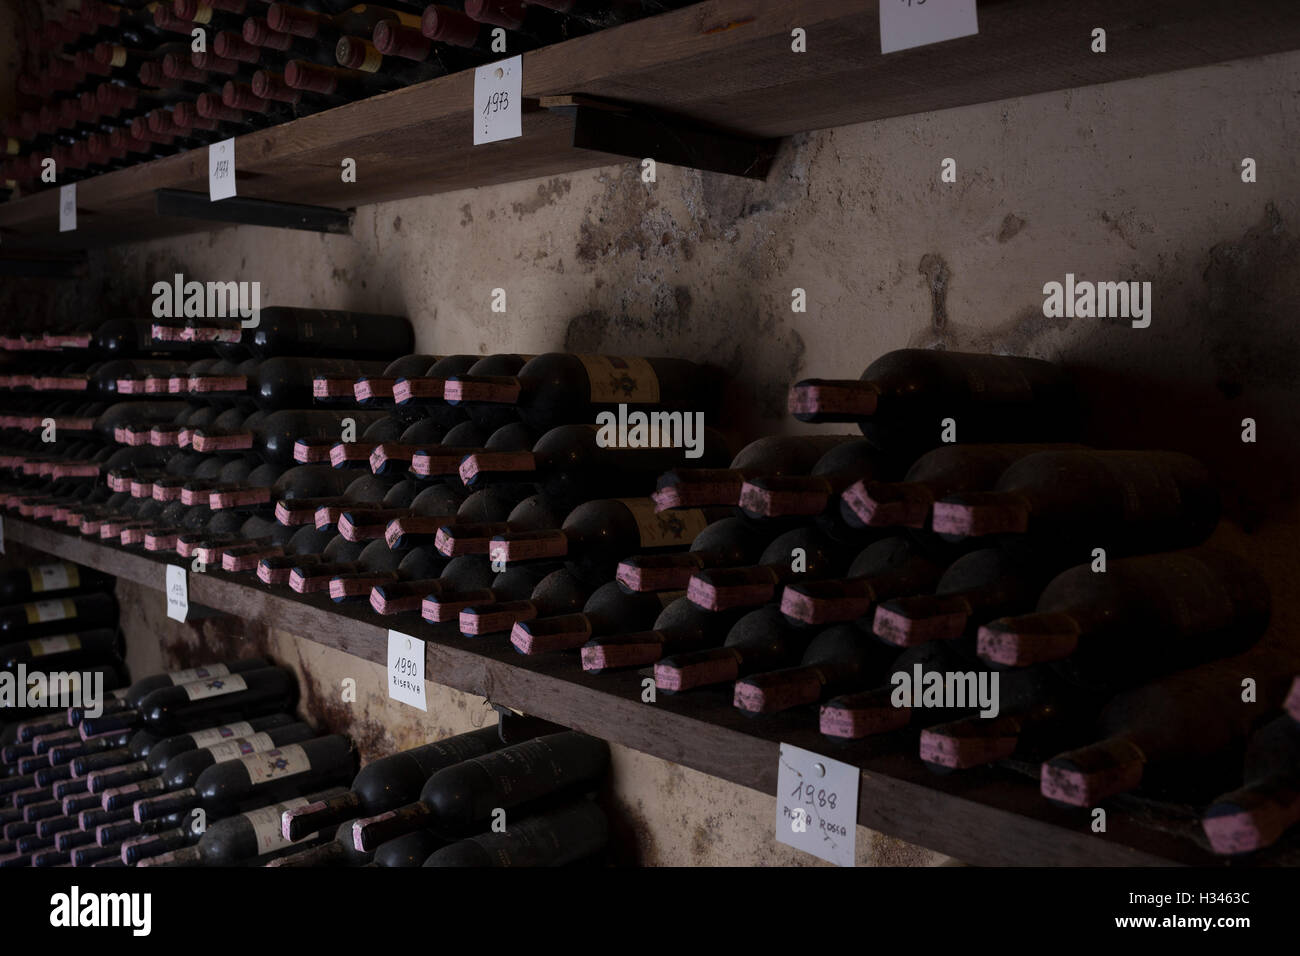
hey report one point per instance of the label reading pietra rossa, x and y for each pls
(616, 380)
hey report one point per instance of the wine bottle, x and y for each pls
(378, 389)
(553, 838)
(474, 534)
(680, 627)
(1127, 502)
(467, 581)
(839, 659)
(62, 651)
(904, 396)
(1142, 617)
(1039, 714)
(225, 787)
(795, 555)
(382, 566)
(884, 570)
(773, 456)
(366, 489)
(429, 387)
(252, 834)
(389, 782)
(609, 610)
(534, 21)
(373, 557)
(557, 388)
(57, 615)
(274, 436)
(762, 640)
(460, 799)
(51, 580)
(171, 791)
(947, 470)
(337, 852)
(976, 588)
(1256, 815)
(314, 547)
(390, 455)
(1182, 734)
(319, 445)
(597, 535)
(730, 542)
(204, 702)
(284, 331)
(397, 498)
(572, 463)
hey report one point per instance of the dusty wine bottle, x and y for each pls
(903, 398)
(1142, 617)
(460, 799)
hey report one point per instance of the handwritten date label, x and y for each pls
(221, 170)
(406, 669)
(817, 805)
(910, 23)
(498, 101)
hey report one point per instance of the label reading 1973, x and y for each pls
(498, 100)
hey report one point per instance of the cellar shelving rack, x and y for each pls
(725, 64)
(993, 816)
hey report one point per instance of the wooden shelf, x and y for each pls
(993, 816)
(725, 63)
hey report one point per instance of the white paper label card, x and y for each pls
(406, 669)
(817, 805)
(178, 593)
(221, 170)
(910, 23)
(68, 207)
(498, 101)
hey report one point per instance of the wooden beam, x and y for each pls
(991, 817)
(726, 64)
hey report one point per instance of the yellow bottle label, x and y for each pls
(616, 380)
(44, 646)
(54, 577)
(42, 611)
(665, 528)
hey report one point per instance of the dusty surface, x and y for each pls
(1133, 181)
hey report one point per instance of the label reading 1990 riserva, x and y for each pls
(216, 687)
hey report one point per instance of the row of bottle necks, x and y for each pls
(107, 87)
(207, 766)
(123, 785)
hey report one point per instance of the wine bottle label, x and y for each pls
(54, 577)
(218, 686)
(266, 825)
(204, 739)
(665, 528)
(42, 611)
(617, 380)
(199, 673)
(54, 645)
(275, 764)
(240, 747)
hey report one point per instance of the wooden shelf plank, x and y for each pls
(727, 63)
(989, 817)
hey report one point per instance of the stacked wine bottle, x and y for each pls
(108, 86)
(960, 531)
